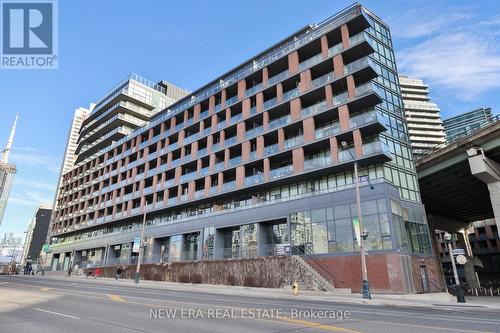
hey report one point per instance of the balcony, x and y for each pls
(291, 94)
(340, 98)
(279, 122)
(253, 132)
(234, 119)
(337, 48)
(369, 117)
(281, 172)
(252, 156)
(205, 171)
(219, 166)
(322, 80)
(213, 189)
(253, 110)
(271, 149)
(357, 65)
(187, 177)
(229, 186)
(311, 61)
(317, 162)
(327, 131)
(231, 100)
(270, 103)
(202, 152)
(172, 201)
(295, 141)
(253, 90)
(367, 88)
(316, 108)
(254, 179)
(235, 161)
(230, 141)
(191, 138)
(278, 77)
(169, 183)
(199, 194)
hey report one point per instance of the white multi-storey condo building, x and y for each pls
(423, 117)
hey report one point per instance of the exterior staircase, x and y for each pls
(318, 281)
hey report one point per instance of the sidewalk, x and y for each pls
(437, 300)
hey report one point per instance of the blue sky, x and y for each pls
(453, 45)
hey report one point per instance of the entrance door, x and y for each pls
(425, 279)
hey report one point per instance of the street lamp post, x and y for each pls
(137, 275)
(458, 288)
(363, 233)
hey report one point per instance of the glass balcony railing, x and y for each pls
(215, 146)
(178, 127)
(207, 131)
(279, 122)
(176, 162)
(254, 131)
(327, 131)
(219, 166)
(217, 107)
(205, 171)
(213, 189)
(172, 201)
(295, 141)
(317, 162)
(229, 186)
(357, 65)
(337, 48)
(271, 149)
(234, 119)
(316, 108)
(191, 138)
(252, 156)
(169, 183)
(230, 141)
(235, 161)
(345, 154)
(340, 98)
(359, 38)
(270, 103)
(290, 94)
(173, 146)
(187, 177)
(199, 194)
(253, 110)
(311, 61)
(254, 179)
(202, 152)
(281, 172)
(189, 122)
(322, 80)
(278, 77)
(367, 117)
(376, 147)
(231, 100)
(367, 88)
(204, 114)
(254, 89)
(222, 124)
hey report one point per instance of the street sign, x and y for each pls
(461, 259)
(282, 249)
(137, 244)
(355, 224)
(457, 252)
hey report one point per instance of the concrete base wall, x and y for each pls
(385, 272)
(267, 272)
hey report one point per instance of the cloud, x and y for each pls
(31, 198)
(34, 158)
(34, 184)
(461, 60)
(407, 24)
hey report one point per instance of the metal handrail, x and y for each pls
(312, 258)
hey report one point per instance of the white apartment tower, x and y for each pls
(423, 117)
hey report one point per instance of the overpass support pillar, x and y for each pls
(487, 171)
(470, 273)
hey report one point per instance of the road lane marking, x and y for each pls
(318, 325)
(115, 298)
(57, 313)
(45, 289)
(423, 326)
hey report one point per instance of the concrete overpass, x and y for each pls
(460, 183)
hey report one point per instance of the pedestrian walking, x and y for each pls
(97, 273)
(70, 269)
(119, 271)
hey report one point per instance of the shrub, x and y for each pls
(196, 278)
(231, 280)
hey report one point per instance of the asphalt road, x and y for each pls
(33, 304)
